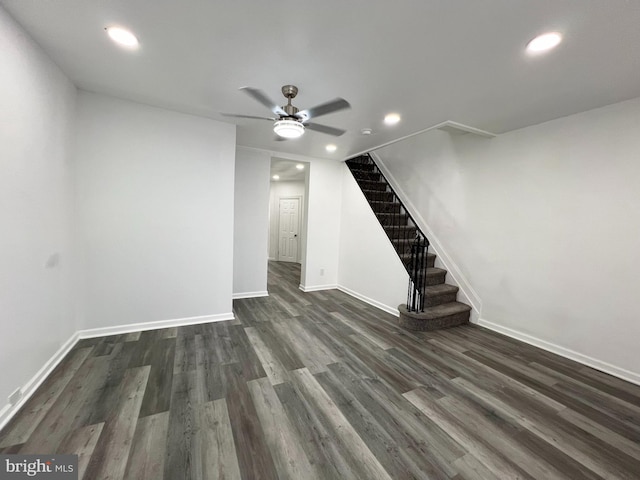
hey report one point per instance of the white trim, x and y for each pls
(392, 310)
(29, 388)
(299, 235)
(317, 288)
(139, 327)
(460, 128)
(621, 373)
(8, 411)
(447, 125)
(237, 296)
(470, 296)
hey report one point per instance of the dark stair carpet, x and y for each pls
(441, 309)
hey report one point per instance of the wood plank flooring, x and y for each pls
(322, 386)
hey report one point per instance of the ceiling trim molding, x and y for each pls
(447, 126)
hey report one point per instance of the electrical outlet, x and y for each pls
(15, 397)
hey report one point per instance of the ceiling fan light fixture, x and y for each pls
(288, 128)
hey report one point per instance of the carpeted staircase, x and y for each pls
(436, 305)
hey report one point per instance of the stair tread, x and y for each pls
(440, 311)
(441, 289)
(403, 240)
(435, 271)
(408, 255)
(398, 226)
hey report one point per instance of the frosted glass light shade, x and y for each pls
(288, 128)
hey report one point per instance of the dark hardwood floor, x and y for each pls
(322, 386)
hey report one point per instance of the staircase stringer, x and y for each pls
(468, 293)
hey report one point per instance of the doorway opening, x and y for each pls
(287, 210)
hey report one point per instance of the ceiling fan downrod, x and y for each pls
(290, 91)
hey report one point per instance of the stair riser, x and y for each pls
(378, 196)
(362, 167)
(435, 279)
(434, 300)
(432, 279)
(435, 324)
(430, 261)
(394, 220)
(366, 176)
(400, 231)
(385, 208)
(378, 186)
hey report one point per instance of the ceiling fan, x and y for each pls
(290, 121)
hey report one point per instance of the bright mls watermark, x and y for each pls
(49, 467)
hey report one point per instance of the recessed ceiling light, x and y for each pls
(544, 42)
(331, 148)
(391, 119)
(300, 166)
(122, 37)
(276, 177)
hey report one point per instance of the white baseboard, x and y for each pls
(317, 288)
(605, 367)
(392, 310)
(8, 411)
(29, 388)
(137, 327)
(469, 295)
(237, 296)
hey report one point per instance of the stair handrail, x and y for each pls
(416, 248)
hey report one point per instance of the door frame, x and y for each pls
(300, 206)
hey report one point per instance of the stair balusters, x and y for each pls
(410, 243)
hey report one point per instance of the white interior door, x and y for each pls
(289, 229)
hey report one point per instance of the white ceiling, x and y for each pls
(287, 170)
(429, 60)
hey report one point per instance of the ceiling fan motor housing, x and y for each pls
(290, 91)
(290, 109)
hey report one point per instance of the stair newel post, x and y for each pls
(440, 310)
(414, 279)
(423, 267)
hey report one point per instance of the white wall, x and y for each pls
(36, 259)
(278, 190)
(320, 267)
(370, 268)
(544, 222)
(251, 223)
(155, 205)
